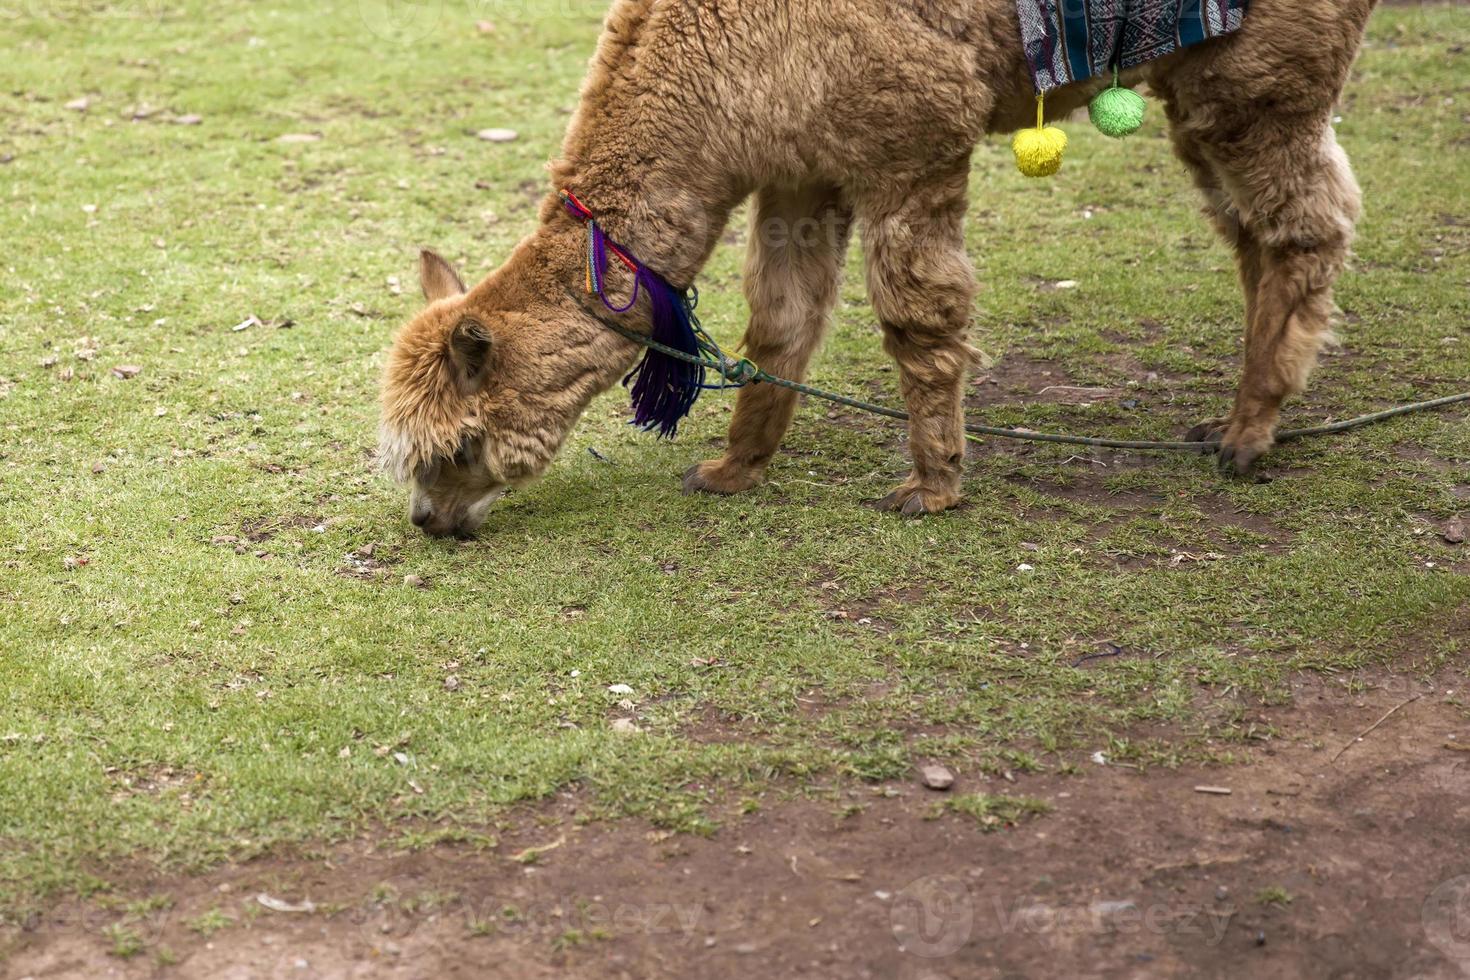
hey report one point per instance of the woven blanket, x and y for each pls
(1073, 40)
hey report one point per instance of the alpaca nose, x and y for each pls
(436, 525)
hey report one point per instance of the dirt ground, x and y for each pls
(1357, 867)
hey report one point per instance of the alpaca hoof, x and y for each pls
(1242, 448)
(918, 502)
(1238, 461)
(1236, 449)
(714, 477)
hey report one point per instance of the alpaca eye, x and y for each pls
(465, 455)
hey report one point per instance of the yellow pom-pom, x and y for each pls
(1039, 151)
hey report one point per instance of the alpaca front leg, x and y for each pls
(797, 242)
(762, 415)
(933, 382)
(921, 284)
(1292, 319)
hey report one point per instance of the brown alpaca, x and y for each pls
(836, 114)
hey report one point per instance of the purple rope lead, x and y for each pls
(599, 271)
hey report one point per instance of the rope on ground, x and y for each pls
(739, 373)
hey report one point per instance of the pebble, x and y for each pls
(1454, 531)
(938, 778)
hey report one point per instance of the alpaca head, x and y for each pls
(477, 398)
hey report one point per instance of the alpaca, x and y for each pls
(841, 115)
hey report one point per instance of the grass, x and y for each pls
(211, 921)
(125, 943)
(1275, 895)
(196, 668)
(991, 812)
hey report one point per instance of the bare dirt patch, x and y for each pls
(371, 563)
(1308, 867)
(1016, 379)
(866, 611)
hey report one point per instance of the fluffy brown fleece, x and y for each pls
(836, 113)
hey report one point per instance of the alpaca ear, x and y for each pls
(469, 353)
(438, 277)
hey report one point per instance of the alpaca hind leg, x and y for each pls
(1292, 193)
(1219, 209)
(1301, 218)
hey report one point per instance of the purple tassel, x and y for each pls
(664, 389)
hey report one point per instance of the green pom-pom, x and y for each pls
(1118, 112)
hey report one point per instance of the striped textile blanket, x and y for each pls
(1074, 40)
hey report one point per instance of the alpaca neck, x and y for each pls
(668, 223)
(648, 172)
(653, 190)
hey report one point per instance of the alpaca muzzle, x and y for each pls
(451, 519)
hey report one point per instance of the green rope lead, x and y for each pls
(739, 373)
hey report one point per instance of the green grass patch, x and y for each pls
(993, 812)
(1275, 896)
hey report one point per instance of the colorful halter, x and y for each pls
(664, 389)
